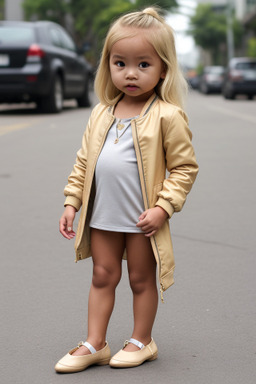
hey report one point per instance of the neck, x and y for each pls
(130, 106)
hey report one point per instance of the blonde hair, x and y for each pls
(173, 87)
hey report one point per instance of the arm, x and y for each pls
(182, 167)
(180, 163)
(74, 190)
(66, 222)
(151, 220)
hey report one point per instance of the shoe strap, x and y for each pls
(137, 343)
(90, 347)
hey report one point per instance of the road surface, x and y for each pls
(206, 328)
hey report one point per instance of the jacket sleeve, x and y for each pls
(180, 163)
(74, 189)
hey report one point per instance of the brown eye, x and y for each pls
(143, 65)
(120, 63)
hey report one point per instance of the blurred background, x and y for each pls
(205, 23)
(209, 34)
(49, 50)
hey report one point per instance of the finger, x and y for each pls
(143, 215)
(143, 222)
(69, 225)
(151, 233)
(68, 235)
(147, 228)
(62, 226)
(63, 229)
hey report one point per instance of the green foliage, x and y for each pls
(238, 31)
(200, 69)
(251, 49)
(91, 18)
(46, 10)
(164, 4)
(209, 29)
(1, 9)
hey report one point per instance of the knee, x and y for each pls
(104, 277)
(139, 282)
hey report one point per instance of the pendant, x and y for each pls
(116, 141)
(120, 126)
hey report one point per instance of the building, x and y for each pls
(13, 10)
(245, 9)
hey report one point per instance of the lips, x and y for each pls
(131, 87)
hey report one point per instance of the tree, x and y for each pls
(91, 18)
(209, 29)
(251, 49)
(1, 9)
(46, 10)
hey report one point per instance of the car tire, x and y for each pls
(84, 100)
(228, 94)
(53, 103)
(250, 97)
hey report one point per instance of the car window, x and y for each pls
(16, 35)
(55, 37)
(67, 41)
(214, 70)
(246, 65)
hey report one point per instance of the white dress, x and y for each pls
(118, 202)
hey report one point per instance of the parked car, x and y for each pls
(192, 78)
(211, 80)
(240, 78)
(40, 62)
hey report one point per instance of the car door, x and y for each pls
(76, 71)
(65, 52)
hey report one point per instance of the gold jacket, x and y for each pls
(162, 142)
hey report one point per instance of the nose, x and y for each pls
(131, 73)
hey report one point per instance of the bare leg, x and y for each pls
(107, 251)
(142, 275)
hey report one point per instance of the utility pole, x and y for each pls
(230, 35)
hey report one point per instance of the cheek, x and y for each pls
(115, 79)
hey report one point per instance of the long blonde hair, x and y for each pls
(174, 87)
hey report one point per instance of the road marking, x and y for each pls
(15, 127)
(241, 116)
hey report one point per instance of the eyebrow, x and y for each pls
(139, 57)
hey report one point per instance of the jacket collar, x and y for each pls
(148, 104)
(144, 110)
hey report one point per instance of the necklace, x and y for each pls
(119, 127)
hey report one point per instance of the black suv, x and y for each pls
(240, 78)
(39, 62)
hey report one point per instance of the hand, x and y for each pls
(66, 222)
(151, 220)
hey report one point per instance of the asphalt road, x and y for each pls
(206, 329)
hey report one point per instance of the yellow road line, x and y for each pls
(15, 127)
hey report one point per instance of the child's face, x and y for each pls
(135, 66)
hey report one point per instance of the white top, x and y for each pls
(118, 202)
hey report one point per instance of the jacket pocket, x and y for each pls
(157, 188)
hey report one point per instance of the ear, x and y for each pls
(163, 74)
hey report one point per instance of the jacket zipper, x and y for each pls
(147, 207)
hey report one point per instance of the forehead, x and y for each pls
(134, 42)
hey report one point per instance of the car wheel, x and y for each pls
(84, 99)
(228, 94)
(250, 97)
(53, 103)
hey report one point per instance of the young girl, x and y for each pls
(119, 180)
